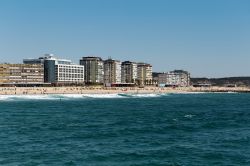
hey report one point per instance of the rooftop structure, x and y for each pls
(41, 60)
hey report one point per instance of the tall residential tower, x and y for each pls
(128, 72)
(144, 74)
(93, 69)
(112, 72)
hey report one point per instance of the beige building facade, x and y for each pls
(21, 74)
(112, 72)
(144, 74)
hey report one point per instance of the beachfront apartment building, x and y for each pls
(59, 71)
(112, 72)
(128, 72)
(21, 74)
(179, 78)
(93, 69)
(144, 74)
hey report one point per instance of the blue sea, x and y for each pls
(125, 130)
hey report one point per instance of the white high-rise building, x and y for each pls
(144, 74)
(93, 69)
(128, 72)
(112, 71)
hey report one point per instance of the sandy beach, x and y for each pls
(113, 90)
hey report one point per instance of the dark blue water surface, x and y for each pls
(174, 129)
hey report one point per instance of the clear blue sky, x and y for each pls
(206, 37)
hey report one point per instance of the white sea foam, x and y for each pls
(189, 92)
(75, 96)
(115, 95)
(189, 116)
(4, 97)
(69, 96)
(202, 92)
(226, 92)
(144, 95)
(26, 97)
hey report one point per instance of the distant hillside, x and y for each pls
(238, 81)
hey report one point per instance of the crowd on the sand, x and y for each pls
(72, 90)
(108, 90)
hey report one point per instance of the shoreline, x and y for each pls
(115, 90)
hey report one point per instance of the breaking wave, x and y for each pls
(74, 96)
(141, 95)
(97, 96)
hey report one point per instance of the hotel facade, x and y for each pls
(59, 71)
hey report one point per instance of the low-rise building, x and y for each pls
(179, 78)
(21, 74)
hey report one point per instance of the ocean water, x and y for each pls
(119, 129)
